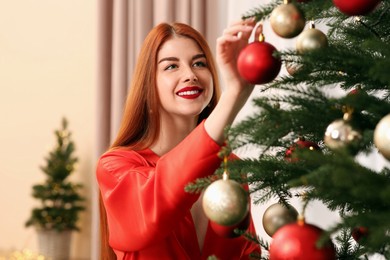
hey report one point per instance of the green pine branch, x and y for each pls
(355, 65)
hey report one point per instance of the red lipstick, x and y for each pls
(191, 92)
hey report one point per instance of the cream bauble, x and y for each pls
(339, 134)
(287, 20)
(225, 202)
(382, 136)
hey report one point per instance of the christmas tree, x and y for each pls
(309, 128)
(59, 197)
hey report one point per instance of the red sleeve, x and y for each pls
(250, 247)
(144, 203)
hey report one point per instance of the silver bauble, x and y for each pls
(225, 202)
(382, 136)
(311, 39)
(278, 215)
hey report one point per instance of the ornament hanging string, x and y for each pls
(305, 200)
(224, 153)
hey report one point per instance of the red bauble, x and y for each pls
(356, 7)
(359, 232)
(298, 241)
(256, 63)
(301, 144)
(228, 231)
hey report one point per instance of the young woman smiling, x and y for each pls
(171, 132)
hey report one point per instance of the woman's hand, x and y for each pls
(237, 90)
(229, 45)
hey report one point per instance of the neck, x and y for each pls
(172, 132)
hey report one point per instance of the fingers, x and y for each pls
(238, 34)
(238, 30)
(241, 29)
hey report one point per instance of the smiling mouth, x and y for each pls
(190, 93)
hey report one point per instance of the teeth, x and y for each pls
(187, 93)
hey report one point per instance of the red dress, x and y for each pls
(148, 210)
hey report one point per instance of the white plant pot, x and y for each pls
(54, 245)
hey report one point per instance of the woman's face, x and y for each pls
(184, 81)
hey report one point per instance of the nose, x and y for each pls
(190, 75)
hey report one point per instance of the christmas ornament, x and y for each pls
(300, 144)
(278, 215)
(287, 20)
(292, 67)
(382, 136)
(298, 241)
(340, 133)
(228, 231)
(225, 202)
(355, 91)
(359, 232)
(311, 39)
(257, 64)
(356, 7)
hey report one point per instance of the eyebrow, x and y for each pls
(195, 57)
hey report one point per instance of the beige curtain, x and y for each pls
(122, 27)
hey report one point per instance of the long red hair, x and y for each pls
(140, 123)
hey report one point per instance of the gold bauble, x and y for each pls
(287, 20)
(382, 136)
(311, 39)
(339, 134)
(225, 202)
(278, 215)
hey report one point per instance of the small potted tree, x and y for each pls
(60, 199)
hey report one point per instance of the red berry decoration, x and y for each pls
(298, 241)
(300, 144)
(228, 231)
(257, 64)
(355, 91)
(356, 7)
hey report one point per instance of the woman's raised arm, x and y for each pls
(236, 90)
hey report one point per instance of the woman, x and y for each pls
(171, 132)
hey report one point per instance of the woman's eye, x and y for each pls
(200, 64)
(171, 66)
